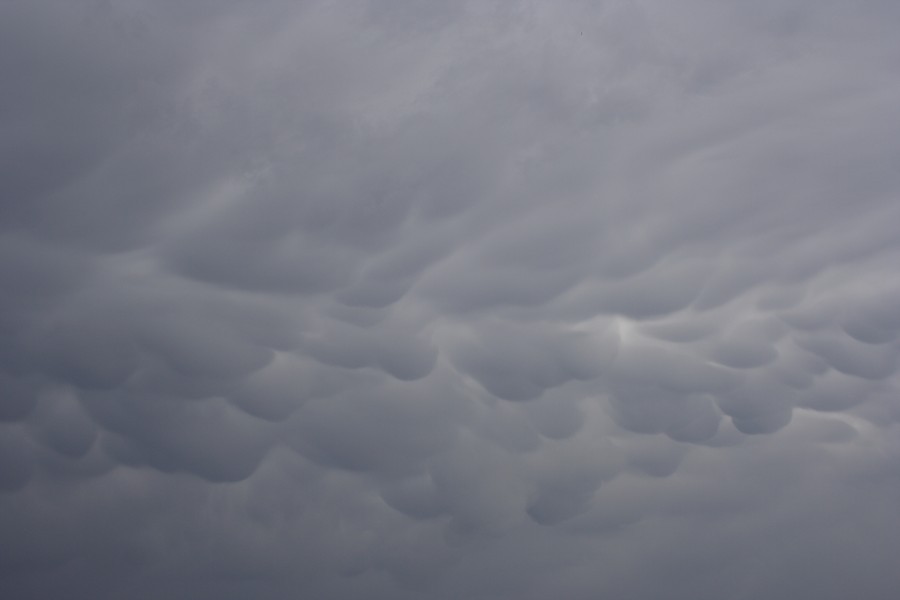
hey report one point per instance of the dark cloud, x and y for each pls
(485, 300)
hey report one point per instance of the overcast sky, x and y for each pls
(438, 300)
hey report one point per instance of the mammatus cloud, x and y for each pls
(487, 300)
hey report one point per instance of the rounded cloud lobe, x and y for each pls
(496, 300)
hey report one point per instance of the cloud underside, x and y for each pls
(484, 300)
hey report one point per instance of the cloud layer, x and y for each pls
(487, 300)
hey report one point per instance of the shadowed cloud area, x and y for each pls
(439, 300)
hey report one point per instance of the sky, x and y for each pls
(495, 300)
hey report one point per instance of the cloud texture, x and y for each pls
(489, 300)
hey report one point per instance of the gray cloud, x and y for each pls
(485, 300)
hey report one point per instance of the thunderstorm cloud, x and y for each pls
(500, 300)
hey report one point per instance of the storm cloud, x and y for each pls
(433, 300)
